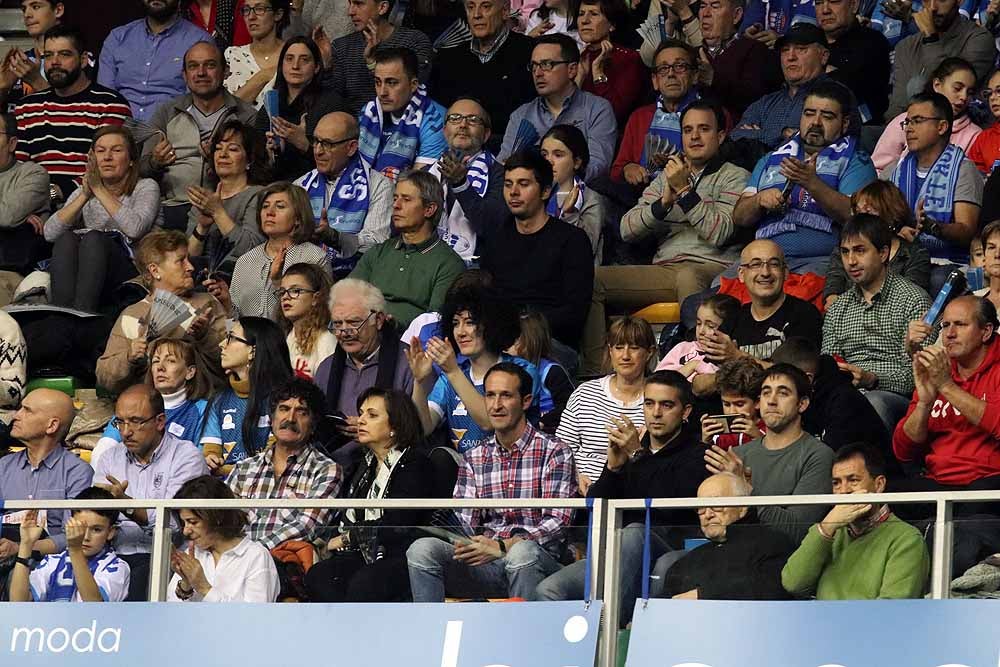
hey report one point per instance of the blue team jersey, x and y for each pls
(224, 426)
(894, 29)
(53, 581)
(779, 15)
(465, 432)
(183, 420)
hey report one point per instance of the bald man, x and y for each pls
(352, 202)
(768, 320)
(45, 469)
(150, 462)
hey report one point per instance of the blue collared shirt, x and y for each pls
(147, 69)
(173, 462)
(61, 475)
(592, 114)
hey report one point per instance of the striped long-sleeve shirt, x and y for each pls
(56, 132)
(699, 225)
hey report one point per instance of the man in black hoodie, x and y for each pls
(838, 414)
(743, 559)
(666, 462)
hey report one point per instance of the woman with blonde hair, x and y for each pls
(94, 231)
(303, 314)
(618, 395)
(285, 218)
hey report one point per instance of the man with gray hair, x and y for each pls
(745, 560)
(24, 190)
(414, 270)
(369, 354)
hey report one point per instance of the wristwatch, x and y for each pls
(503, 547)
(601, 79)
(23, 561)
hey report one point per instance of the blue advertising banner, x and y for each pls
(556, 634)
(882, 633)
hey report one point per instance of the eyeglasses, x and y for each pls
(679, 68)
(916, 120)
(294, 292)
(230, 337)
(470, 118)
(757, 265)
(133, 423)
(715, 510)
(349, 329)
(987, 93)
(546, 65)
(259, 10)
(330, 144)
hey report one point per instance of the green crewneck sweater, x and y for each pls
(891, 561)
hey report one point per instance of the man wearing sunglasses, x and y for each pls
(554, 64)
(352, 202)
(150, 463)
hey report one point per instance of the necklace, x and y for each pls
(616, 388)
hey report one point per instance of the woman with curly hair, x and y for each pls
(303, 314)
(478, 326)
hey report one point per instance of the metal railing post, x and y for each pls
(599, 511)
(943, 548)
(159, 560)
(608, 646)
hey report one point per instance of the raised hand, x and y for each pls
(443, 354)
(30, 529)
(421, 365)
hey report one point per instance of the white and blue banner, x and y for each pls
(515, 634)
(882, 633)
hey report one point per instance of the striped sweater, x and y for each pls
(56, 132)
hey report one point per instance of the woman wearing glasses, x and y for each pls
(222, 224)
(253, 66)
(285, 218)
(608, 70)
(303, 313)
(985, 150)
(955, 79)
(301, 103)
(237, 423)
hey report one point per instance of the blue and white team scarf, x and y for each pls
(937, 191)
(348, 206)
(803, 210)
(62, 583)
(453, 227)
(666, 126)
(553, 208)
(400, 148)
(478, 172)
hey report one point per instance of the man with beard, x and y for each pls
(56, 126)
(942, 33)
(174, 155)
(800, 193)
(860, 551)
(142, 59)
(786, 461)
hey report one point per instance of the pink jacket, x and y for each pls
(891, 145)
(682, 353)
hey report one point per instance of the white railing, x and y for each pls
(606, 527)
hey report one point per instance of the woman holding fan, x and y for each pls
(172, 309)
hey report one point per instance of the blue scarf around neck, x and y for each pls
(666, 126)
(938, 193)
(400, 149)
(553, 209)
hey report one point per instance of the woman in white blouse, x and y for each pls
(252, 67)
(303, 313)
(221, 564)
(116, 208)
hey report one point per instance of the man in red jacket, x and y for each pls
(953, 421)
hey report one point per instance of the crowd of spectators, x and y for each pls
(317, 250)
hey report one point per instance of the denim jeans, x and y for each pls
(889, 406)
(434, 570)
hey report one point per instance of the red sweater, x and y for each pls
(628, 81)
(986, 148)
(633, 140)
(958, 452)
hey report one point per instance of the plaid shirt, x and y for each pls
(870, 335)
(309, 474)
(539, 467)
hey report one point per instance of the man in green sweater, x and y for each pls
(415, 270)
(858, 552)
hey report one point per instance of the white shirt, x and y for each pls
(305, 365)
(53, 580)
(245, 573)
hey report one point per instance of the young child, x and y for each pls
(738, 382)
(88, 571)
(688, 358)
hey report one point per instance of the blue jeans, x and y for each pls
(890, 407)
(433, 570)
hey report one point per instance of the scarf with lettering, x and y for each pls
(454, 228)
(347, 208)
(400, 149)
(938, 193)
(803, 210)
(666, 126)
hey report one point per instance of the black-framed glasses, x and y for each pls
(546, 65)
(259, 10)
(757, 265)
(330, 144)
(349, 328)
(986, 93)
(470, 118)
(133, 423)
(677, 68)
(294, 292)
(917, 120)
(230, 337)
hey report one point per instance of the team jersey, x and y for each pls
(183, 420)
(224, 426)
(465, 432)
(52, 580)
